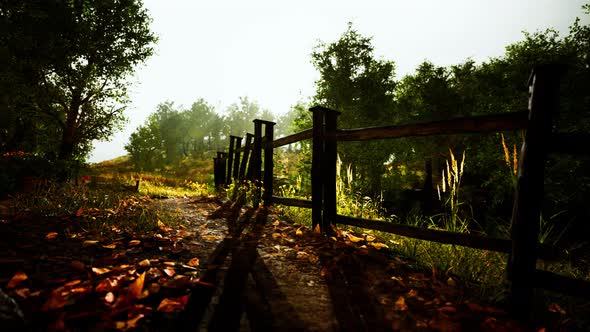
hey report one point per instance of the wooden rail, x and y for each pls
(523, 245)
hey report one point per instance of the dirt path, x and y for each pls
(225, 268)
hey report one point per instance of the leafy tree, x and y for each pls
(361, 87)
(80, 88)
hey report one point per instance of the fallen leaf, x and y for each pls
(338, 232)
(554, 307)
(18, 277)
(298, 232)
(317, 229)
(276, 223)
(276, 235)
(110, 246)
(107, 285)
(193, 262)
(154, 288)
(210, 237)
(89, 243)
(369, 238)
(23, 292)
(134, 242)
(378, 245)
(353, 238)
(173, 304)
(109, 298)
(170, 263)
(56, 300)
(145, 262)
(179, 281)
(51, 235)
(169, 271)
(136, 288)
(100, 270)
(400, 304)
(79, 211)
(72, 283)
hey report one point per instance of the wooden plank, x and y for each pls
(329, 171)
(300, 136)
(473, 124)
(462, 239)
(256, 159)
(559, 283)
(230, 159)
(268, 164)
(317, 183)
(543, 102)
(298, 202)
(237, 150)
(570, 143)
(246, 157)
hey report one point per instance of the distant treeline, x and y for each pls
(173, 133)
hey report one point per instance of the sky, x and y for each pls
(225, 49)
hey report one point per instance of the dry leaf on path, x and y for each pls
(400, 304)
(100, 270)
(134, 243)
(173, 304)
(378, 245)
(353, 238)
(18, 277)
(145, 262)
(193, 262)
(51, 236)
(136, 288)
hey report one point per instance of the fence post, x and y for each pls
(256, 159)
(237, 146)
(317, 185)
(329, 169)
(230, 159)
(219, 169)
(543, 101)
(244, 163)
(268, 162)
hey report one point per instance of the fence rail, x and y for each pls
(523, 247)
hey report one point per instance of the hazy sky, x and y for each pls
(221, 50)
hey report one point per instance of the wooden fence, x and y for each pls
(245, 163)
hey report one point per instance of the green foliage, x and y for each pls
(72, 60)
(353, 82)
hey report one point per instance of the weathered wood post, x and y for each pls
(230, 158)
(237, 146)
(317, 184)
(268, 162)
(256, 159)
(219, 169)
(329, 170)
(543, 102)
(244, 163)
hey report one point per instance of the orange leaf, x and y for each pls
(23, 292)
(79, 212)
(400, 304)
(107, 285)
(298, 232)
(110, 246)
(169, 271)
(378, 245)
(136, 287)
(317, 229)
(193, 262)
(18, 277)
(354, 238)
(145, 262)
(276, 223)
(51, 235)
(100, 270)
(89, 243)
(109, 298)
(134, 242)
(338, 232)
(173, 304)
(554, 307)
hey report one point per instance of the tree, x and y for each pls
(94, 47)
(361, 87)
